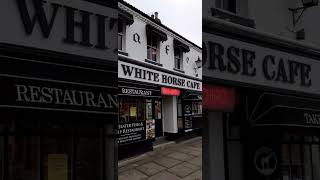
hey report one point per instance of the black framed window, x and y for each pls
(44, 150)
(132, 110)
(121, 35)
(229, 5)
(152, 47)
(178, 58)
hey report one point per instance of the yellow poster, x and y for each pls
(133, 111)
(57, 167)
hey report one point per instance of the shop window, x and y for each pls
(229, 5)
(152, 47)
(121, 35)
(89, 155)
(50, 150)
(197, 108)
(131, 110)
(178, 59)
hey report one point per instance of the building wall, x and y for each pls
(170, 116)
(138, 51)
(273, 16)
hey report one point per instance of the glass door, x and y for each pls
(158, 117)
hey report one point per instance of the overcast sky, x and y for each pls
(182, 16)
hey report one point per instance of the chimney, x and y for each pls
(152, 16)
(156, 17)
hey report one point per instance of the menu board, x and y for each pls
(131, 132)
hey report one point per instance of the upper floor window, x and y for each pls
(121, 35)
(178, 58)
(229, 5)
(125, 19)
(179, 48)
(152, 47)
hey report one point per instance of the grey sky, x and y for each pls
(182, 16)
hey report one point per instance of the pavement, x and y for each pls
(175, 161)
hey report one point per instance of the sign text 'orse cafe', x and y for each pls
(237, 61)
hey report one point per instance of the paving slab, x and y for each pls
(166, 162)
(150, 168)
(132, 174)
(182, 161)
(194, 176)
(164, 175)
(181, 170)
(180, 156)
(197, 161)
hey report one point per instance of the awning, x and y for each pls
(271, 109)
(152, 30)
(126, 17)
(185, 48)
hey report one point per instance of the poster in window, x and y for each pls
(151, 133)
(148, 110)
(133, 111)
(57, 166)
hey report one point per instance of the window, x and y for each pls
(121, 35)
(178, 58)
(197, 107)
(229, 5)
(152, 47)
(53, 149)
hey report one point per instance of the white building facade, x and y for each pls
(261, 58)
(159, 80)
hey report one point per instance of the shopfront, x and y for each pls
(151, 104)
(262, 108)
(59, 113)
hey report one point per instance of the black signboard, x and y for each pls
(187, 110)
(131, 132)
(271, 109)
(30, 84)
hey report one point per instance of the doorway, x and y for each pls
(158, 117)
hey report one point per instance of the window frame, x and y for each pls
(121, 35)
(178, 59)
(227, 5)
(151, 46)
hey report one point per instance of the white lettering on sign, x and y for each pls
(48, 95)
(136, 92)
(313, 119)
(142, 74)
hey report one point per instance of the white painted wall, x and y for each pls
(169, 106)
(273, 16)
(138, 51)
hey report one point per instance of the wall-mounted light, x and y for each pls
(198, 65)
(299, 11)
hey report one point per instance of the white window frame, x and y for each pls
(123, 37)
(152, 47)
(180, 59)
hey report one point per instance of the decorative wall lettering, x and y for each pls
(136, 38)
(167, 49)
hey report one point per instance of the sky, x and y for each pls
(182, 16)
